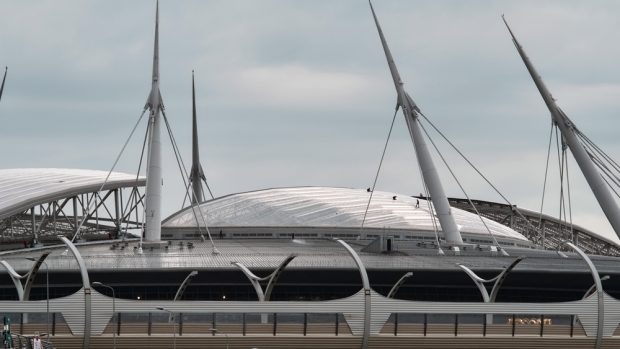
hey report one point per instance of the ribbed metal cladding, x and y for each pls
(72, 308)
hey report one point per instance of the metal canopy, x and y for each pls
(22, 188)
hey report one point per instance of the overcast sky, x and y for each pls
(294, 93)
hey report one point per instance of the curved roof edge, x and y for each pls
(530, 213)
(327, 206)
(23, 188)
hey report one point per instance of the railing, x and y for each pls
(244, 324)
(457, 325)
(309, 324)
(26, 342)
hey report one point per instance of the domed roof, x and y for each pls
(327, 207)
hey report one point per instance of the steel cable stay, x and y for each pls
(133, 130)
(611, 187)
(563, 172)
(133, 200)
(587, 140)
(608, 172)
(374, 183)
(544, 190)
(560, 152)
(570, 204)
(463, 190)
(527, 221)
(603, 166)
(595, 153)
(603, 162)
(568, 195)
(185, 175)
(179, 158)
(186, 197)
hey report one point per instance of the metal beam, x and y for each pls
(366, 287)
(599, 293)
(499, 280)
(86, 288)
(429, 172)
(398, 284)
(596, 182)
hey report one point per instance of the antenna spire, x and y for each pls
(156, 46)
(429, 172)
(196, 173)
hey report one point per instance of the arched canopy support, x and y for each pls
(16, 278)
(366, 286)
(23, 290)
(185, 284)
(86, 288)
(271, 279)
(253, 279)
(499, 280)
(599, 292)
(33, 273)
(398, 284)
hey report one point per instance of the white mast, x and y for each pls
(431, 177)
(595, 180)
(154, 167)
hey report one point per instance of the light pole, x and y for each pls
(174, 326)
(215, 330)
(97, 283)
(47, 300)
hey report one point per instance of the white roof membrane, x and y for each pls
(22, 188)
(327, 207)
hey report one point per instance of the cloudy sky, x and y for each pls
(297, 93)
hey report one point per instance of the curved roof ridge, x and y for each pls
(327, 207)
(21, 188)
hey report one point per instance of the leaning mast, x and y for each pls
(595, 180)
(154, 180)
(429, 172)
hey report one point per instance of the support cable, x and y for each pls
(479, 173)
(182, 169)
(561, 173)
(374, 183)
(461, 186)
(570, 206)
(146, 134)
(605, 169)
(208, 188)
(544, 190)
(77, 231)
(598, 149)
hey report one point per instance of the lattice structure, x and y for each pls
(553, 231)
(40, 204)
(113, 212)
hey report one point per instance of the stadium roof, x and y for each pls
(311, 254)
(22, 188)
(327, 207)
